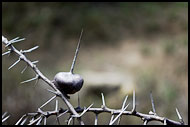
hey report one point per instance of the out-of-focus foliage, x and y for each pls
(125, 45)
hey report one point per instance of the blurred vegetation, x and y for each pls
(145, 41)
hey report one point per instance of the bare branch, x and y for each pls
(37, 71)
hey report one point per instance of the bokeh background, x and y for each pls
(125, 46)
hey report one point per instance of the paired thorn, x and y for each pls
(34, 62)
(4, 119)
(34, 121)
(123, 106)
(4, 114)
(14, 41)
(85, 110)
(20, 119)
(112, 116)
(112, 122)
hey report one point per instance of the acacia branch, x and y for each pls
(39, 116)
(21, 56)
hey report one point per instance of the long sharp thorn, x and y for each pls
(57, 119)
(34, 121)
(39, 121)
(11, 42)
(24, 121)
(152, 102)
(34, 62)
(14, 64)
(112, 116)
(24, 69)
(51, 91)
(20, 119)
(5, 53)
(134, 103)
(18, 40)
(56, 105)
(48, 101)
(103, 100)
(13, 39)
(96, 119)
(36, 82)
(145, 122)
(3, 120)
(124, 102)
(30, 50)
(4, 114)
(63, 113)
(123, 106)
(69, 120)
(85, 110)
(165, 123)
(118, 115)
(179, 116)
(76, 53)
(45, 119)
(30, 80)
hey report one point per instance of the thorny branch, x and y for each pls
(40, 117)
(39, 75)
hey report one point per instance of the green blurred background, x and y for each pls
(125, 46)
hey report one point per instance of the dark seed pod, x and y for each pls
(67, 82)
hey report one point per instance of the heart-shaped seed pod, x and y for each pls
(67, 82)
